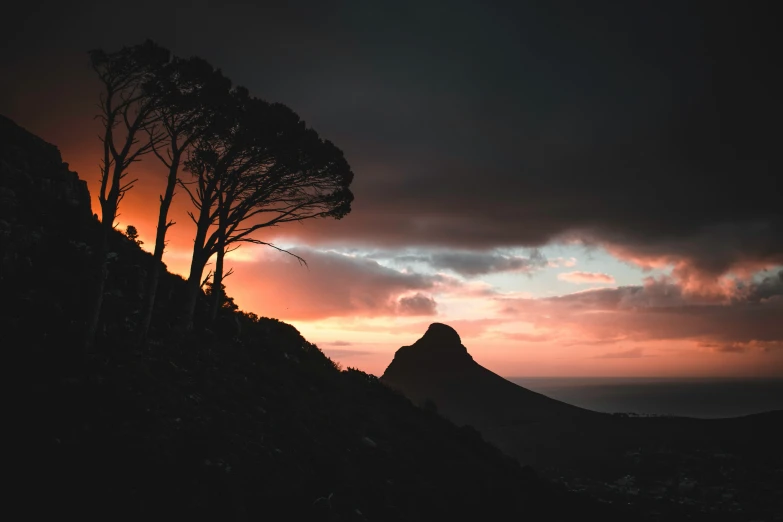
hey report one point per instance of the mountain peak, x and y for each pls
(439, 349)
(441, 333)
(438, 367)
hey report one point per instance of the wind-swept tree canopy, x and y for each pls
(261, 167)
(130, 130)
(252, 164)
(190, 93)
(127, 110)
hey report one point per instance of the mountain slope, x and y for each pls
(244, 420)
(438, 367)
(668, 468)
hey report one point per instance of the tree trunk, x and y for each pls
(217, 278)
(193, 289)
(197, 264)
(217, 286)
(95, 302)
(160, 245)
(201, 254)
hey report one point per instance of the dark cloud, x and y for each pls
(471, 263)
(630, 132)
(418, 304)
(478, 263)
(712, 251)
(650, 128)
(746, 317)
(770, 287)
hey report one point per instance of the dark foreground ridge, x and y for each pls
(667, 468)
(243, 421)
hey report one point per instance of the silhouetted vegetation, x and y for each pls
(127, 111)
(237, 417)
(253, 164)
(244, 420)
(133, 234)
(224, 301)
(192, 93)
(259, 167)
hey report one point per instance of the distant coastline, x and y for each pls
(690, 397)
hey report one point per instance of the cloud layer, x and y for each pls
(674, 160)
(333, 285)
(475, 132)
(748, 319)
(579, 277)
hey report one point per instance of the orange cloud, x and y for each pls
(332, 285)
(717, 279)
(560, 261)
(660, 310)
(585, 277)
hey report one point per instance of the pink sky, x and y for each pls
(577, 305)
(562, 310)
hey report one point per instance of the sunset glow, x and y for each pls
(519, 311)
(588, 264)
(457, 260)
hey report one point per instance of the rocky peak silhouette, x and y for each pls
(440, 349)
(438, 368)
(441, 333)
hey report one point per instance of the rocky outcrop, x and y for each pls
(46, 225)
(39, 196)
(438, 369)
(439, 350)
(32, 171)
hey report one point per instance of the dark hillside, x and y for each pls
(438, 367)
(666, 467)
(244, 421)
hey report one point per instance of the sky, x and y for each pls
(580, 189)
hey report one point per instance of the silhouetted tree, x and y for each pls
(191, 94)
(225, 302)
(133, 234)
(260, 167)
(127, 110)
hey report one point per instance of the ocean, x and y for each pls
(697, 397)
